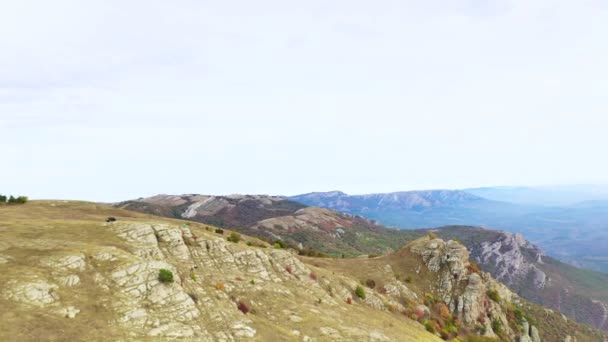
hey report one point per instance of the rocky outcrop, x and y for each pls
(465, 290)
(510, 257)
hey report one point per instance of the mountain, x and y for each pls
(69, 274)
(556, 195)
(417, 209)
(579, 294)
(275, 218)
(577, 234)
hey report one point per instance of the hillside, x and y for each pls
(70, 275)
(573, 234)
(275, 218)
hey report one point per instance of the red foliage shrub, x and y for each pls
(313, 276)
(419, 313)
(382, 290)
(289, 269)
(349, 300)
(243, 307)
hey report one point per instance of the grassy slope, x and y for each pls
(39, 229)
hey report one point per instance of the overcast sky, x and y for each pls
(110, 100)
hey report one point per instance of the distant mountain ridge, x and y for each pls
(340, 201)
(577, 234)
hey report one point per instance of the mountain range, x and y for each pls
(576, 234)
(579, 294)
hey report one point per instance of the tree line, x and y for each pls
(12, 199)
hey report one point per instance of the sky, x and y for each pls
(112, 100)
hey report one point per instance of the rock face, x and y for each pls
(465, 291)
(510, 256)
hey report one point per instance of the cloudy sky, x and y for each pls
(109, 100)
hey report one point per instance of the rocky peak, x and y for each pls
(464, 289)
(514, 259)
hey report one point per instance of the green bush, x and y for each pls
(165, 276)
(279, 244)
(219, 230)
(3, 199)
(360, 292)
(493, 294)
(497, 326)
(234, 237)
(428, 325)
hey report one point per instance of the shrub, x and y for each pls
(313, 276)
(3, 199)
(279, 244)
(428, 325)
(165, 276)
(473, 268)
(493, 295)
(349, 300)
(219, 230)
(252, 282)
(312, 253)
(408, 279)
(432, 236)
(497, 326)
(443, 310)
(219, 286)
(249, 243)
(419, 314)
(519, 315)
(234, 237)
(429, 299)
(373, 255)
(243, 307)
(370, 283)
(193, 276)
(360, 292)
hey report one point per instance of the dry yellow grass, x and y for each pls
(40, 229)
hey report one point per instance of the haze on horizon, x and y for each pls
(113, 100)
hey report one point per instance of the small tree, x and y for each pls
(21, 199)
(165, 276)
(3, 199)
(12, 199)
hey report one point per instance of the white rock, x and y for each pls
(37, 292)
(240, 329)
(69, 312)
(172, 330)
(70, 280)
